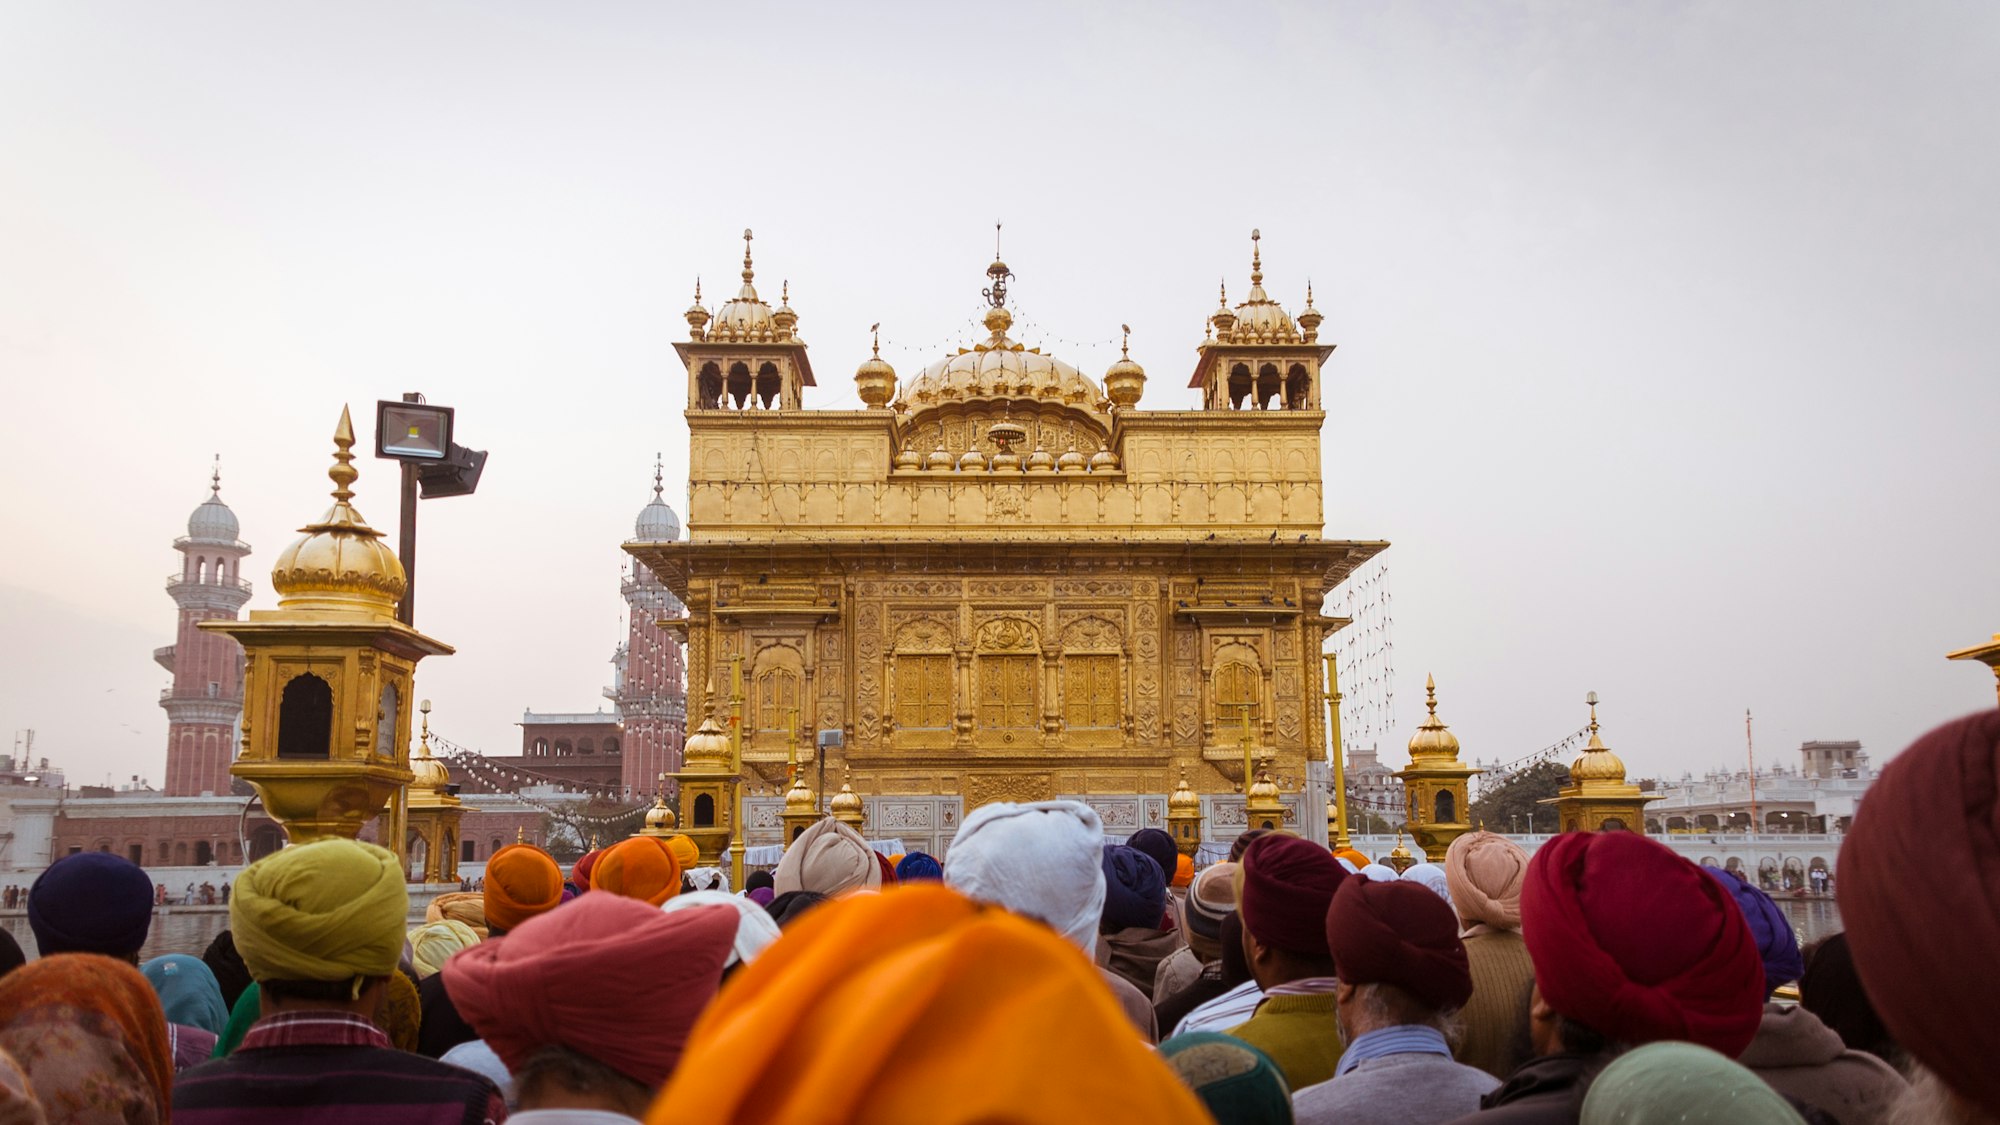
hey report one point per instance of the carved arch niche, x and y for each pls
(1007, 673)
(922, 704)
(1093, 672)
(777, 691)
(1236, 691)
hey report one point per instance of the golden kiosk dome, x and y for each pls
(875, 382)
(1264, 790)
(660, 819)
(847, 803)
(1183, 799)
(1432, 740)
(1598, 763)
(342, 567)
(798, 799)
(1259, 319)
(1125, 380)
(707, 749)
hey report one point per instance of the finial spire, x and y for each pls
(1431, 696)
(1125, 345)
(1256, 258)
(658, 487)
(1309, 292)
(748, 273)
(697, 289)
(785, 292)
(343, 472)
(215, 479)
(1222, 292)
(1596, 743)
(996, 240)
(875, 331)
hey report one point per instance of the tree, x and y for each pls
(1513, 804)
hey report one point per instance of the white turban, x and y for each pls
(706, 879)
(755, 928)
(1044, 860)
(1380, 872)
(1431, 876)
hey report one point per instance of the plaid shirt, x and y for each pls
(331, 1068)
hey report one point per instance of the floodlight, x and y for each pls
(456, 475)
(412, 431)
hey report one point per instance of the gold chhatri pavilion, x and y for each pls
(1598, 798)
(1003, 580)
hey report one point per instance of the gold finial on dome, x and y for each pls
(1256, 258)
(431, 774)
(1125, 380)
(748, 272)
(342, 566)
(1597, 763)
(875, 380)
(1399, 856)
(1432, 739)
(1309, 318)
(660, 819)
(697, 316)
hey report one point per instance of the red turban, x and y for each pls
(642, 867)
(1288, 884)
(572, 978)
(522, 881)
(1635, 943)
(888, 869)
(1401, 934)
(580, 873)
(1919, 890)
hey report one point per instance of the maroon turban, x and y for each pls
(1288, 883)
(606, 976)
(1637, 944)
(1919, 890)
(1402, 934)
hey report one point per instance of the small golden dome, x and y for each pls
(431, 774)
(697, 316)
(1310, 318)
(1264, 791)
(342, 566)
(940, 459)
(972, 461)
(746, 318)
(1103, 461)
(1125, 380)
(1399, 855)
(1598, 763)
(1041, 460)
(1183, 799)
(875, 380)
(847, 800)
(1432, 740)
(1222, 319)
(907, 458)
(1071, 461)
(707, 748)
(783, 318)
(798, 799)
(660, 820)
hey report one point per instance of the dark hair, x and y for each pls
(758, 879)
(1243, 843)
(1832, 990)
(787, 907)
(1235, 965)
(570, 1072)
(326, 991)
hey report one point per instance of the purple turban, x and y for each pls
(1776, 945)
(1135, 889)
(91, 902)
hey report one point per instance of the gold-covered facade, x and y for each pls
(1002, 579)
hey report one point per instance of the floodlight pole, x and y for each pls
(406, 545)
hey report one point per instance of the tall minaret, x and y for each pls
(206, 701)
(652, 681)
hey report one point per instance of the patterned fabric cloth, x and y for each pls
(331, 1068)
(91, 1036)
(17, 1100)
(1225, 1011)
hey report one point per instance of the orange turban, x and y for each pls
(1183, 871)
(686, 852)
(1354, 857)
(642, 867)
(522, 881)
(468, 907)
(917, 1005)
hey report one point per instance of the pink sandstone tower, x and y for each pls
(651, 690)
(206, 702)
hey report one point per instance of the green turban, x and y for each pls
(328, 910)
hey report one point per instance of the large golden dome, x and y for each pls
(1598, 763)
(342, 566)
(746, 318)
(1001, 369)
(1432, 740)
(707, 748)
(1259, 319)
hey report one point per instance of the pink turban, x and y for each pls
(605, 976)
(1483, 871)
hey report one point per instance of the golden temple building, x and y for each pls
(1004, 580)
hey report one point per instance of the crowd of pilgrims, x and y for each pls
(1039, 975)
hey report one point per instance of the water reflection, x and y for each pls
(1812, 918)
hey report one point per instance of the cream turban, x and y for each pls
(1484, 871)
(433, 943)
(828, 858)
(1044, 860)
(327, 910)
(755, 928)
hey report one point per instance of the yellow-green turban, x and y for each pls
(433, 943)
(328, 910)
(686, 852)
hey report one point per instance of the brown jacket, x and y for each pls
(1496, 1018)
(1135, 953)
(1802, 1058)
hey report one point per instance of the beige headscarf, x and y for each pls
(466, 907)
(433, 943)
(1483, 871)
(828, 857)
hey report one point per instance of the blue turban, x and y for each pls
(917, 865)
(188, 991)
(1135, 889)
(1158, 846)
(91, 902)
(1776, 945)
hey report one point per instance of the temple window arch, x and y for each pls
(586, 746)
(708, 387)
(1239, 385)
(922, 676)
(305, 718)
(1093, 675)
(774, 690)
(737, 390)
(768, 385)
(201, 571)
(563, 748)
(1239, 691)
(1267, 386)
(704, 810)
(1007, 675)
(1298, 388)
(1445, 807)
(611, 746)
(386, 715)
(541, 747)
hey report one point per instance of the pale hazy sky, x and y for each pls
(1665, 330)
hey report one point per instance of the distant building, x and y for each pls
(205, 704)
(1373, 788)
(650, 685)
(1820, 796)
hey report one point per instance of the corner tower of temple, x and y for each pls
(205, 702)
(651, 692)
(1002, 579)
